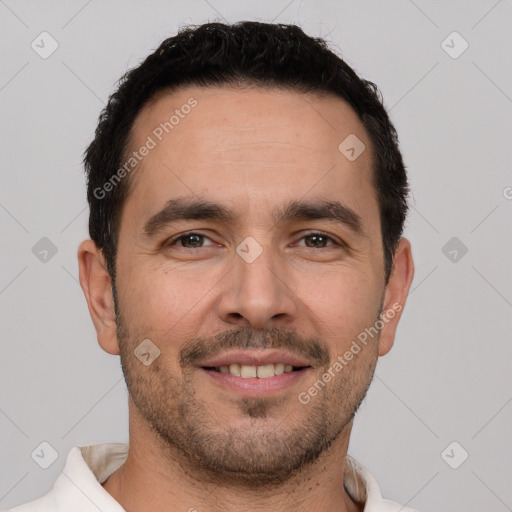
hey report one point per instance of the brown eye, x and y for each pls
(190, 241)
(317, 240)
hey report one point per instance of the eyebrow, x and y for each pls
(181, 209)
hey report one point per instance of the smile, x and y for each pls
(251, 371)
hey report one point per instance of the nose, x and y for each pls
(258, 294)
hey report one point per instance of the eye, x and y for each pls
(189, 241)
(194, 240)
(318, 240)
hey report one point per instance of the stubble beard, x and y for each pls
(260, 451)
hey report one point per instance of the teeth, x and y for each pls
(279, 368)
(261, 372)
(234, 369)
(248, 372)
(265, 371)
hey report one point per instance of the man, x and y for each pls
(247, 200)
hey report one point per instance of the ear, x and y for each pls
(396, 293)
(97, 287)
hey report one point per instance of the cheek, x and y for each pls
(343, 303)
(342, 294)
(160, 302)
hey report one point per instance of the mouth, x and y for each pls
(256, 373)
(246, 371)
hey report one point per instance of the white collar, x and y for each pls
(79, 488)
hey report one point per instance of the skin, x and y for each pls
(251, 150)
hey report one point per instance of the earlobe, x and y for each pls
(97, 287)
(396, 293)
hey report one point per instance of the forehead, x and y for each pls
(246, 147)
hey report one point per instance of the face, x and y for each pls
(250, 254)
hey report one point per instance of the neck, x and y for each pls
(155, 477)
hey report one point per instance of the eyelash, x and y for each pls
(172, 241)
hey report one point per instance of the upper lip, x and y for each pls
(254, 357)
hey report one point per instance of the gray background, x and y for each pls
(448, 376)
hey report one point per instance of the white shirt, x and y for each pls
(78, 488)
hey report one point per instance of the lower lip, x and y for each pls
(254, 387)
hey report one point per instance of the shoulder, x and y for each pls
(363, 487)
(45, 503)
(78, 488)
(393, 506)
